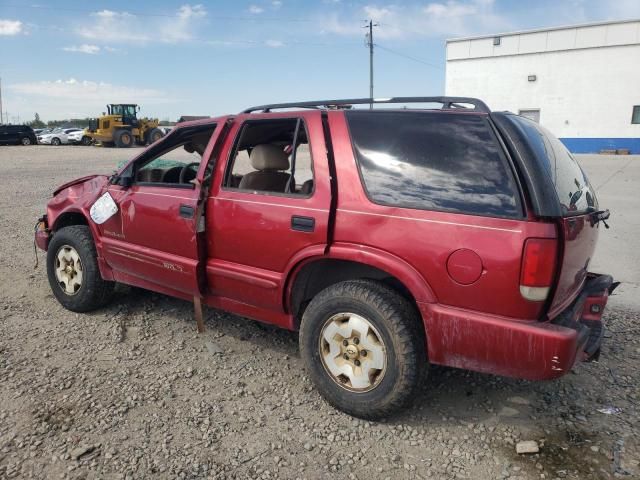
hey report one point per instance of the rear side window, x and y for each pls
(433, 161)
(575, 193)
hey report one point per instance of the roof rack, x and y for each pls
(448, 103)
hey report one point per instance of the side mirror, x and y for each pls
(137, 108)
(125, 181)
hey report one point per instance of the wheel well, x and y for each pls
(315, 277)
(70, 218)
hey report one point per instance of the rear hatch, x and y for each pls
(564, 194)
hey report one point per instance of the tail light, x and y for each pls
(538, 267)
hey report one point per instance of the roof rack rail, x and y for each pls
(448, 103)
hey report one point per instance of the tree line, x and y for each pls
(76, 122)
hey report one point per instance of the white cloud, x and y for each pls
(449, 18)
(10, 27)
(123, 27)
(87, 90)
(67, 98)
(274, 43)
(621, 9)
(255, 9)
(276, 3)
(84, 48)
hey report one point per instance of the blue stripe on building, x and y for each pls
(595, 145)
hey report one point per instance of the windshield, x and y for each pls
(575, 193)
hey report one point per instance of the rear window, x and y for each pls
(433, 161)
(575, 193)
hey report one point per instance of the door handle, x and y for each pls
(186, 211)
(303, 224)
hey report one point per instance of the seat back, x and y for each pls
(269, 161)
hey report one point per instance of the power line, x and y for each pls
(164, 15)
(409, 57)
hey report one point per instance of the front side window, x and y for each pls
(272, 156)
(178, 159)
(635, 116)
(433, 161)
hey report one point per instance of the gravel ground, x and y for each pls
(132, 391)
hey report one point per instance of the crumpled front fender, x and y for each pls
(75, 197)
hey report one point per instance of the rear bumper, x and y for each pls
(584, 315)
(525, 349)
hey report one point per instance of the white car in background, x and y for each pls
(78, 137)
(57, 137)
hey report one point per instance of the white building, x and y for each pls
(582, 82)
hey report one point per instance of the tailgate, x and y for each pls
(579, 235)
(560, 191)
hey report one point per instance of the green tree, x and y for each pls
(37, 123)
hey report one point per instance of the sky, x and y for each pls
(67, 59)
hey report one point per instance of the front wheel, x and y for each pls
(26, 141)
(363, 346)
(86, 141)
(123, 139)
(73, 272)
(55, 142)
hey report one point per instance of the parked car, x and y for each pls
(79, 137)
(17, 135)
(59, 136)
(390, 238)
(43, 131)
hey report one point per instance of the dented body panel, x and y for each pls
(461, 271)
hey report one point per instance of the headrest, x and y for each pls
(269, 157)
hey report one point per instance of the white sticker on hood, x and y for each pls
(103, 209)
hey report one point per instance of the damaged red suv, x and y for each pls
(390, 238)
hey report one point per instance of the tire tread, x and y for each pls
(404, 325)
(97, 290)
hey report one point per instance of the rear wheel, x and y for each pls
(25, 141)
(123, 139)
(86, 141)
(72, 269)
(56, 141)
(154, 135)
(363, 346)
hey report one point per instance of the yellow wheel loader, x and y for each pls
(122, 128)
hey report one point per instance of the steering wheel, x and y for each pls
(185, 169)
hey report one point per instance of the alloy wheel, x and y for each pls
(68, 270)
(352, 352)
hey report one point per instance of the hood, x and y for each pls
(73, 182)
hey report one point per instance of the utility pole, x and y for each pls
(369, 37)
(1, 121)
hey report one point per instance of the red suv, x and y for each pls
(390, 238)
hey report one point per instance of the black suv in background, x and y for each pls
(17, 134)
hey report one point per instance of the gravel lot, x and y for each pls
(132, 391)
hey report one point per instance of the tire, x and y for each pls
(154, 135)
(123, 139)
(26, 141)
(86, 141)
(56, 142)
(80, 289)
(394, 334)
